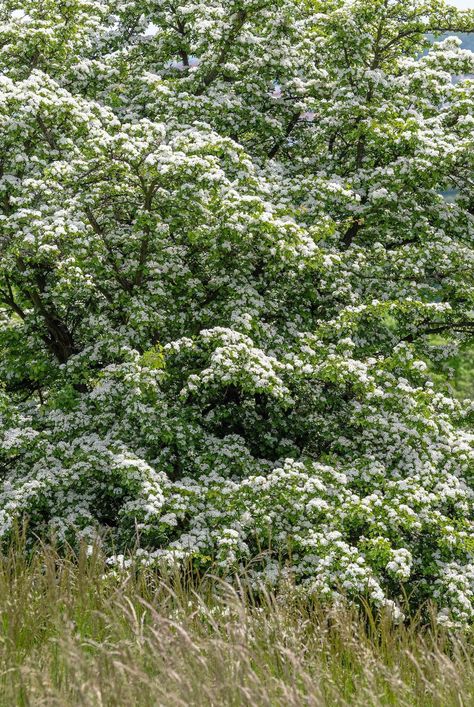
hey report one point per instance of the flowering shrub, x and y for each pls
(227, 269)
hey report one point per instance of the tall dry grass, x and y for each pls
(72, 633)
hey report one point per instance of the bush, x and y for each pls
(225, 254)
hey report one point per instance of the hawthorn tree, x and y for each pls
(228, 270)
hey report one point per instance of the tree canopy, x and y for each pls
(228, 271)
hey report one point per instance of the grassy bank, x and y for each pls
(73, 634)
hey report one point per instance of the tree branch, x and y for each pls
(212, 73)
(97, 228)
(281, 141)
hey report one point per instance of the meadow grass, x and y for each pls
(75, 633)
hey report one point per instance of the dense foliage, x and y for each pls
(227, 270)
